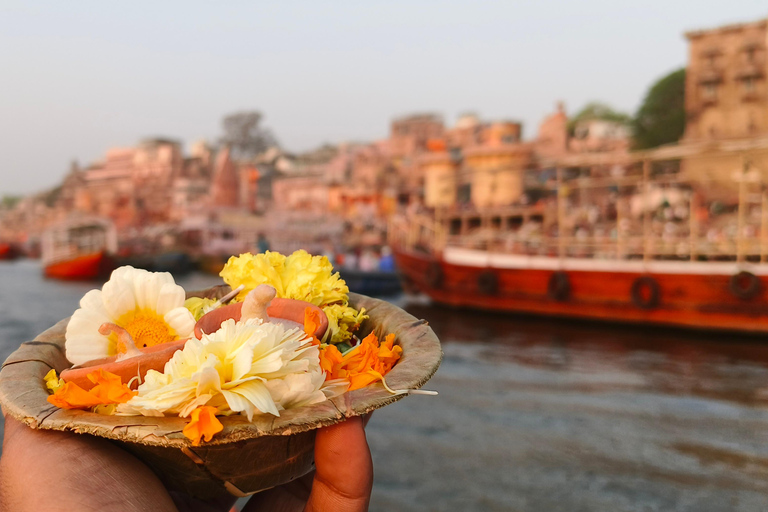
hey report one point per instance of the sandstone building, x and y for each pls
(726, 92)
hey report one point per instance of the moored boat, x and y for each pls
(177, 263)
(659, 246)
(79, 249)
(8, 252)
(375, 283)
(697, 295)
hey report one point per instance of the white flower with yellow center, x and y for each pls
(244, 367)
(148, 305)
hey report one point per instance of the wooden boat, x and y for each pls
(488, 259)
(79, 249)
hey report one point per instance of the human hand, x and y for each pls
(48, 470)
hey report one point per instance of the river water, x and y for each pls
(537, 414)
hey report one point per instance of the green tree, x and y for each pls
(9, 201)
(244, 134)
(661, 117)
(597, 110)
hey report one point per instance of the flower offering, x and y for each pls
(287, 340)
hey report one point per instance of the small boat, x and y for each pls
(212, 263)
(8, 252)
(210, 244)
(79, 249)
(373, 283)
(177, 263)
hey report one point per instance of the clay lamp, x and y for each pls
(128, 365)
(262, 303)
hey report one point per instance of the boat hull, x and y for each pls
(83, 267)
(701, 301)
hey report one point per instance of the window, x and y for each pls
(749, 84)
(709, 92)
(509, 139)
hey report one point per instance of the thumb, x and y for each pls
(344, 474)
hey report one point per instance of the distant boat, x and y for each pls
(212, 263)
(373, 283)
(8, 252)
(79, 249)
(177, 263)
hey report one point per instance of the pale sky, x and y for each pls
(77, 78)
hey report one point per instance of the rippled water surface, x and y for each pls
(537, 414)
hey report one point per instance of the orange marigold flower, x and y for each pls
(108, 390)
(311, 324)
(331, 361)
(204, 424)
(365, 364)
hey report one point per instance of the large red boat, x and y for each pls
(698, 295)
(79, 249)
(657, 247)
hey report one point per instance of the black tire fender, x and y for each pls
(488, 282)
(745, 285)
(645, 292)
(559, 286)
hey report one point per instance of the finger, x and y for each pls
(344, 474)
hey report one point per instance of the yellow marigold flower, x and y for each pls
(311, 278)
(204, 424)
(198, 306)
(299, 276)
(52, 381)
(252, 270)
(343, 320)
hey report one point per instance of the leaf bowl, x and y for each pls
(246, 457)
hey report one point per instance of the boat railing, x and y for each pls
(629, 248)
(558, 223)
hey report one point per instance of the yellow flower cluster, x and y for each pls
(298, 276)
(343, 321)
(197, 306)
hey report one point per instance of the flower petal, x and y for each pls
(118, 298)
(169, 297)
(256, 393)
(181, 321)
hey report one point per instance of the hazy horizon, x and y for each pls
(80, 79)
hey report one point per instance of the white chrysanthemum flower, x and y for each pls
(148, 305)
(243, 367)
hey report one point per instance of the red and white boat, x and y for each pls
(79, 249)
(699, 295)
(667, 254)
